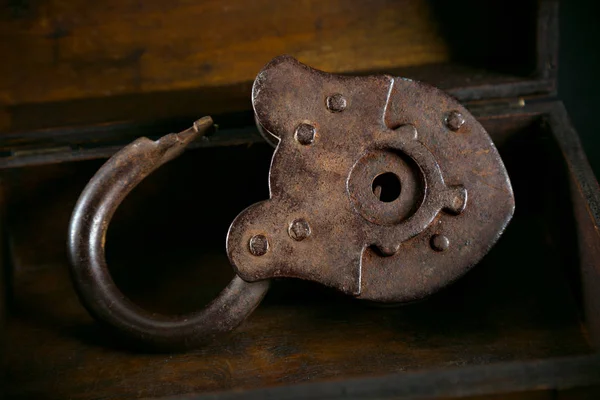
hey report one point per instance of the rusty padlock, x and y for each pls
(384, 188)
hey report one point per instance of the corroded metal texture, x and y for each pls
(381, 187)
(95, 287)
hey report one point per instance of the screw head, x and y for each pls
(439, 242)
(305, 134)
(258, 245)
(455, 120)
(336, 103)
(299, 230)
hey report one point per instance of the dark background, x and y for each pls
(579, 65)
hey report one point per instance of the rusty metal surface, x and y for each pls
(384, 188)
(94, 285)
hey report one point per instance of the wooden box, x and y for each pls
(85, 78)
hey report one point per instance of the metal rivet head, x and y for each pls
(299, 230)
(454, 120)
(258, 245)
(336, 103)
(305, 134)
(439, 242)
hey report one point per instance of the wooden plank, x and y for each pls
(585, 193)
(76, 143)
(70, 153)
(515, 306)
(500, 380)
(300, 334)
(81, 49)
(467, 83)
(74, 62)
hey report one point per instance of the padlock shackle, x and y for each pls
(92, 280)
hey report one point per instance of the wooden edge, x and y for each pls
(586, 200)
(503, 90)
(542, 83)
(504, 378)
(4, 274)
(576, 157)
(69, 144)
(67, 153)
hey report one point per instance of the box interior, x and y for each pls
(166, 251)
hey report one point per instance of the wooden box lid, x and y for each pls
(79, 64)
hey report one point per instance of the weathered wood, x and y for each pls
(74, 62)
(67, 144)
(570, 378)
(79, 63)
(585, 194)
(517, 305)
(64, 50)
(82, 49)
(299, 334)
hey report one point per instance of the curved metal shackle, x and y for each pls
(93, 283)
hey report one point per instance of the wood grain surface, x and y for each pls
(64, 50)
(164, 250)
(301, 333)
(70, 62)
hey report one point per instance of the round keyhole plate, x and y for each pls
(386, 187)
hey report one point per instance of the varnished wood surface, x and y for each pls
(299, 334)
(62, 50)
(572, 378)
(74, 62)
(88, 49)
(465, 82)
(34, 146)
(518, 304)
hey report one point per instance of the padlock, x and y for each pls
(381, 187)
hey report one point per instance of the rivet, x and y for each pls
(336, 103)
(305, 134)
(299, 230)
(258, 245)
(439, 242)
(454, 120)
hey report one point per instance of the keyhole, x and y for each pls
(386, 187)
